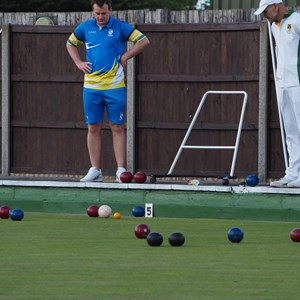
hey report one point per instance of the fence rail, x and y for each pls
(159, 16)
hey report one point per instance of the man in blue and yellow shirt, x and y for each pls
(104, 87)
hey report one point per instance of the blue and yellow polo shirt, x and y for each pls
(104, 48)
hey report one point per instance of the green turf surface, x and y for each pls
(51, 256)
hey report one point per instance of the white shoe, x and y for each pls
(93, 175)
(283, 182)
(294, 184)
(118, 174)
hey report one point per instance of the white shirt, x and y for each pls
(287, 38)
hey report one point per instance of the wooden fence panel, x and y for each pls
(48, 131)
(143, 16)
(234, 4)
(275, 157)
(183, 63)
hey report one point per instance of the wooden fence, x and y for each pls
(230, 4)
(159, 16)
(46, 133)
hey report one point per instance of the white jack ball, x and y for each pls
(104, 211)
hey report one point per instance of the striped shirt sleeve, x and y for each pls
(136, 36)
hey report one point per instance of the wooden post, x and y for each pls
(263, 102)
(5, 100)
(131, 113)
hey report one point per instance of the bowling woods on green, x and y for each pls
(64, 256)
(15, 214)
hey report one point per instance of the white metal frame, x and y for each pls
(234, 147)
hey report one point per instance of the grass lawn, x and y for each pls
(58, 256)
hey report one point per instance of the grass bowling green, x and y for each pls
(62, 256)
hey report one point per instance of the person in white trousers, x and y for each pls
(286, 31)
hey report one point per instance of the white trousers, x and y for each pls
(289, 105)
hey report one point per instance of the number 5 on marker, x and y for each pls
(149, 210)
